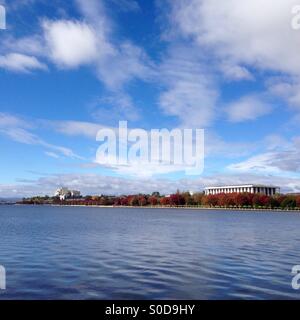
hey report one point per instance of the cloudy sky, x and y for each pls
(69, 68)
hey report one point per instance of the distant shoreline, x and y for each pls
(166, 207)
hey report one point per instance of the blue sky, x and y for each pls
(69, 68)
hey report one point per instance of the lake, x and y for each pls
(116, 253)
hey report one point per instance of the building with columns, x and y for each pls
(250, 188)
(65, 193)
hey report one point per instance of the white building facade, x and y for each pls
(251, 188)
(65, 193)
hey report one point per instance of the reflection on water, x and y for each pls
(97, 253)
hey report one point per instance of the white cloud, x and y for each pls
(101, 184)
(52, 154)
(287, 88)
(191, 102)
(216, 146)
(115, 107)
(118, 61)
(125, 63)
(67, 152)
(190, 93)
(20, 63)
(17, 129)
(71, 43)
(275, 142)
(238, 36)
(95, 12)
(89, 41)
(283, 157)
(262, 163)
(8, 120)
(247, 108)
(30, 45)
(243, 31)
(146, 169)
(20, 135)
(235, 72)
(75, 128)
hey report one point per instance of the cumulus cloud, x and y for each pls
(247, 108)
(21, 63)
(71, 43)
(239, 36)
(242, 31)
(118, 61)
(232, 37)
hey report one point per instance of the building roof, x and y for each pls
(243, 186)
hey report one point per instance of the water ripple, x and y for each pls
(96, 253)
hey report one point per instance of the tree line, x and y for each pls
(180, 199)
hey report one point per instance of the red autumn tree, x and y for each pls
(153, 201)
(177, 200)
(117, 202)
(222, 197)
(211, 200)
(256, 201)
(142, 201)
(298, 201)
(265, 200)
(229, 200)
(241, 199)
(134, 201)
(165, 201)
(124, 201)
(261, 200)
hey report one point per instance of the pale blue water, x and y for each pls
(95, 253)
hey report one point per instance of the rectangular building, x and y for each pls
(65, 193)
(251, 188)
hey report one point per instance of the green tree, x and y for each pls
(288, 203)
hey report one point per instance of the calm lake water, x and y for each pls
(96, 253)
